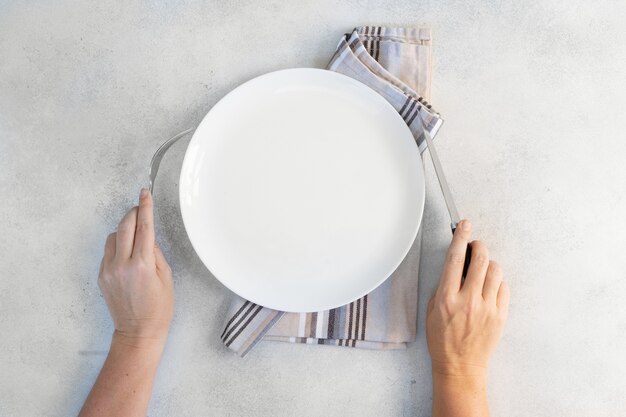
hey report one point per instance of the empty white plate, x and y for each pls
(302, 190)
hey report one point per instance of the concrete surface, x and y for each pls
(533, 97)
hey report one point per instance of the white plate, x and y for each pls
(302, 190)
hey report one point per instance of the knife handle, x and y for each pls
(468, 257)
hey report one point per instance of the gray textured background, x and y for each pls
(533, 97)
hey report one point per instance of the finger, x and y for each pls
(477, 270)
(125, 238)
(504, 296)
(453, 266)
(161, 262)
(493, 279)
(431, 305)
(109, 248)
(144, 237)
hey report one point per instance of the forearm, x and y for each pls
(125, 382)
(460, 395)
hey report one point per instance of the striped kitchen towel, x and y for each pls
(396, 63)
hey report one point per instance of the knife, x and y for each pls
(447, 195)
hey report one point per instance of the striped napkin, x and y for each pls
(396, 63)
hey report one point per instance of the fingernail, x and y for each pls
(467, 225)
(143, 193)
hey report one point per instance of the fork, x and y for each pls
(158, 155)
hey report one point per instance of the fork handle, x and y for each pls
(158, 155)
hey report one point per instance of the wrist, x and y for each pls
(458, 369)
(130, 342)
(459, 390)
(459, 376)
